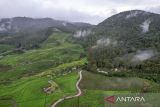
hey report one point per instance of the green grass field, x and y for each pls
(23, 76)
(96, 98)
(94, 81)
(38, 60)
(4, 48)
(28, 91)
(97, 87)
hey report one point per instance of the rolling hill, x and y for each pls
(28, 33)
(40, 59)
(128, 41)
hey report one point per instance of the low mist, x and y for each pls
(82, 33)
(141, 56)
(145, 26)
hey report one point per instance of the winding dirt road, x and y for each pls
(79, 92)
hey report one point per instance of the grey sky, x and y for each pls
(92, 11)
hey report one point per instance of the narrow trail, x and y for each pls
(69, 97)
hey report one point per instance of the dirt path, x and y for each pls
(69, 97)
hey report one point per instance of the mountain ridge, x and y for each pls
(128, 41)
(22, 24)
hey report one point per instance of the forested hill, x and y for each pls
(28, 32)
(126, 41)
(26, 24)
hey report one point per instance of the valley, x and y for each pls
(50, 63)
(54, 63)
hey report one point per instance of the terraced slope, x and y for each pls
(30, 73)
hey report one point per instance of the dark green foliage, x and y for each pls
(129, 39)
(28, 33)
(25, 40)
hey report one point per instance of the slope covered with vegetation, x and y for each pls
(25, 76)
(119, 55)
(128, 42)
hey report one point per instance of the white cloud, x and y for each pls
(92, 11)
(133, 14)
(143, 55)
(145, 25)
(82, 33)
(103, 42)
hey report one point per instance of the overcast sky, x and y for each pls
(91, 11)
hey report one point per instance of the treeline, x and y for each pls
(117, 41)
(25, 40)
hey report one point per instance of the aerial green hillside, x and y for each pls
(78, 65)
(24, 76)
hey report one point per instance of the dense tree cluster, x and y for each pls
(129, 39)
